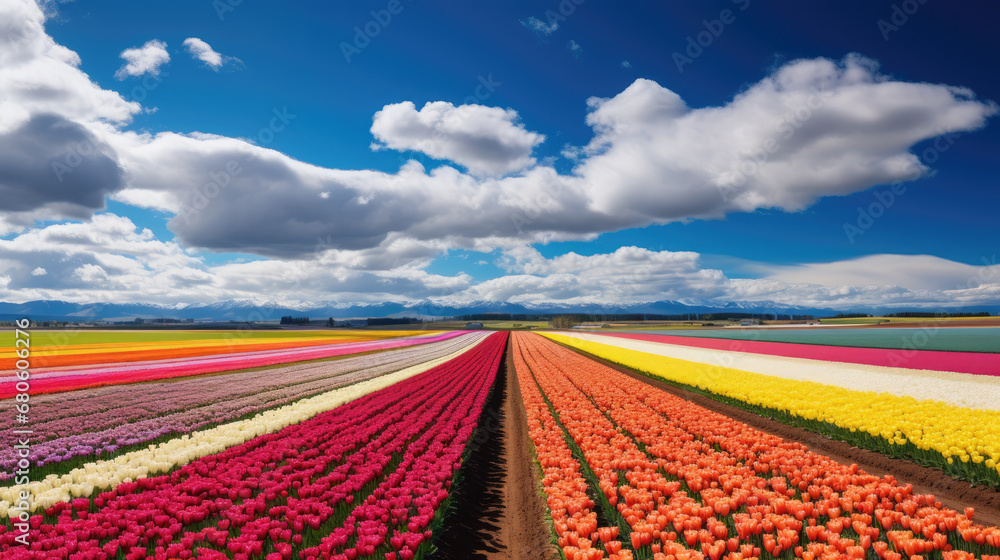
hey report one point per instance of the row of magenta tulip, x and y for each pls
(361, 481)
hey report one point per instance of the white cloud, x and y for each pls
(109, 259)
(653, 159)
(41, 76)
(146, 59)
(629, 274)
(913, 272)
(814, 128)
(626, 64)
(486, 140)
(200, 50)
(539, 26)
(632, 274)
(574, 48)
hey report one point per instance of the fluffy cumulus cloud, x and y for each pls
(50, 163)
(54, 162)
(632, 274)
(110, 259)
(915, 272)
(41, 76)
(105, 258)
(200, 50)
(813, 128)
(146, 59)
(486, 140)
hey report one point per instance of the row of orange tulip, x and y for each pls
(572, 510)
(692, 483)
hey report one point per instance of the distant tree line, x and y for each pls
(491, 317)
(632, 317)
(924, 314)
(289, 320)
(393, 321)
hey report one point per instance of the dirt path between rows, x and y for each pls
(526, 523)
(951, 492)
(500, 513)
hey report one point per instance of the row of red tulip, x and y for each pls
(691, 483)
(364, 480)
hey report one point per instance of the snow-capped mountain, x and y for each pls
(269, 310)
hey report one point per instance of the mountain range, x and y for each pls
(250, 310)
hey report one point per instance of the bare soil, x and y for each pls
(500, 512)
(953, 493)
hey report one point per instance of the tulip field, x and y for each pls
(344, 445)
(168, 366)
(58, 349)
(70, 429)
(946, 419)
(633, 472)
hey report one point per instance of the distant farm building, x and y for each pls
(749, 323)
(474, 325)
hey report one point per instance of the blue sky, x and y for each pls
(526, 70)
